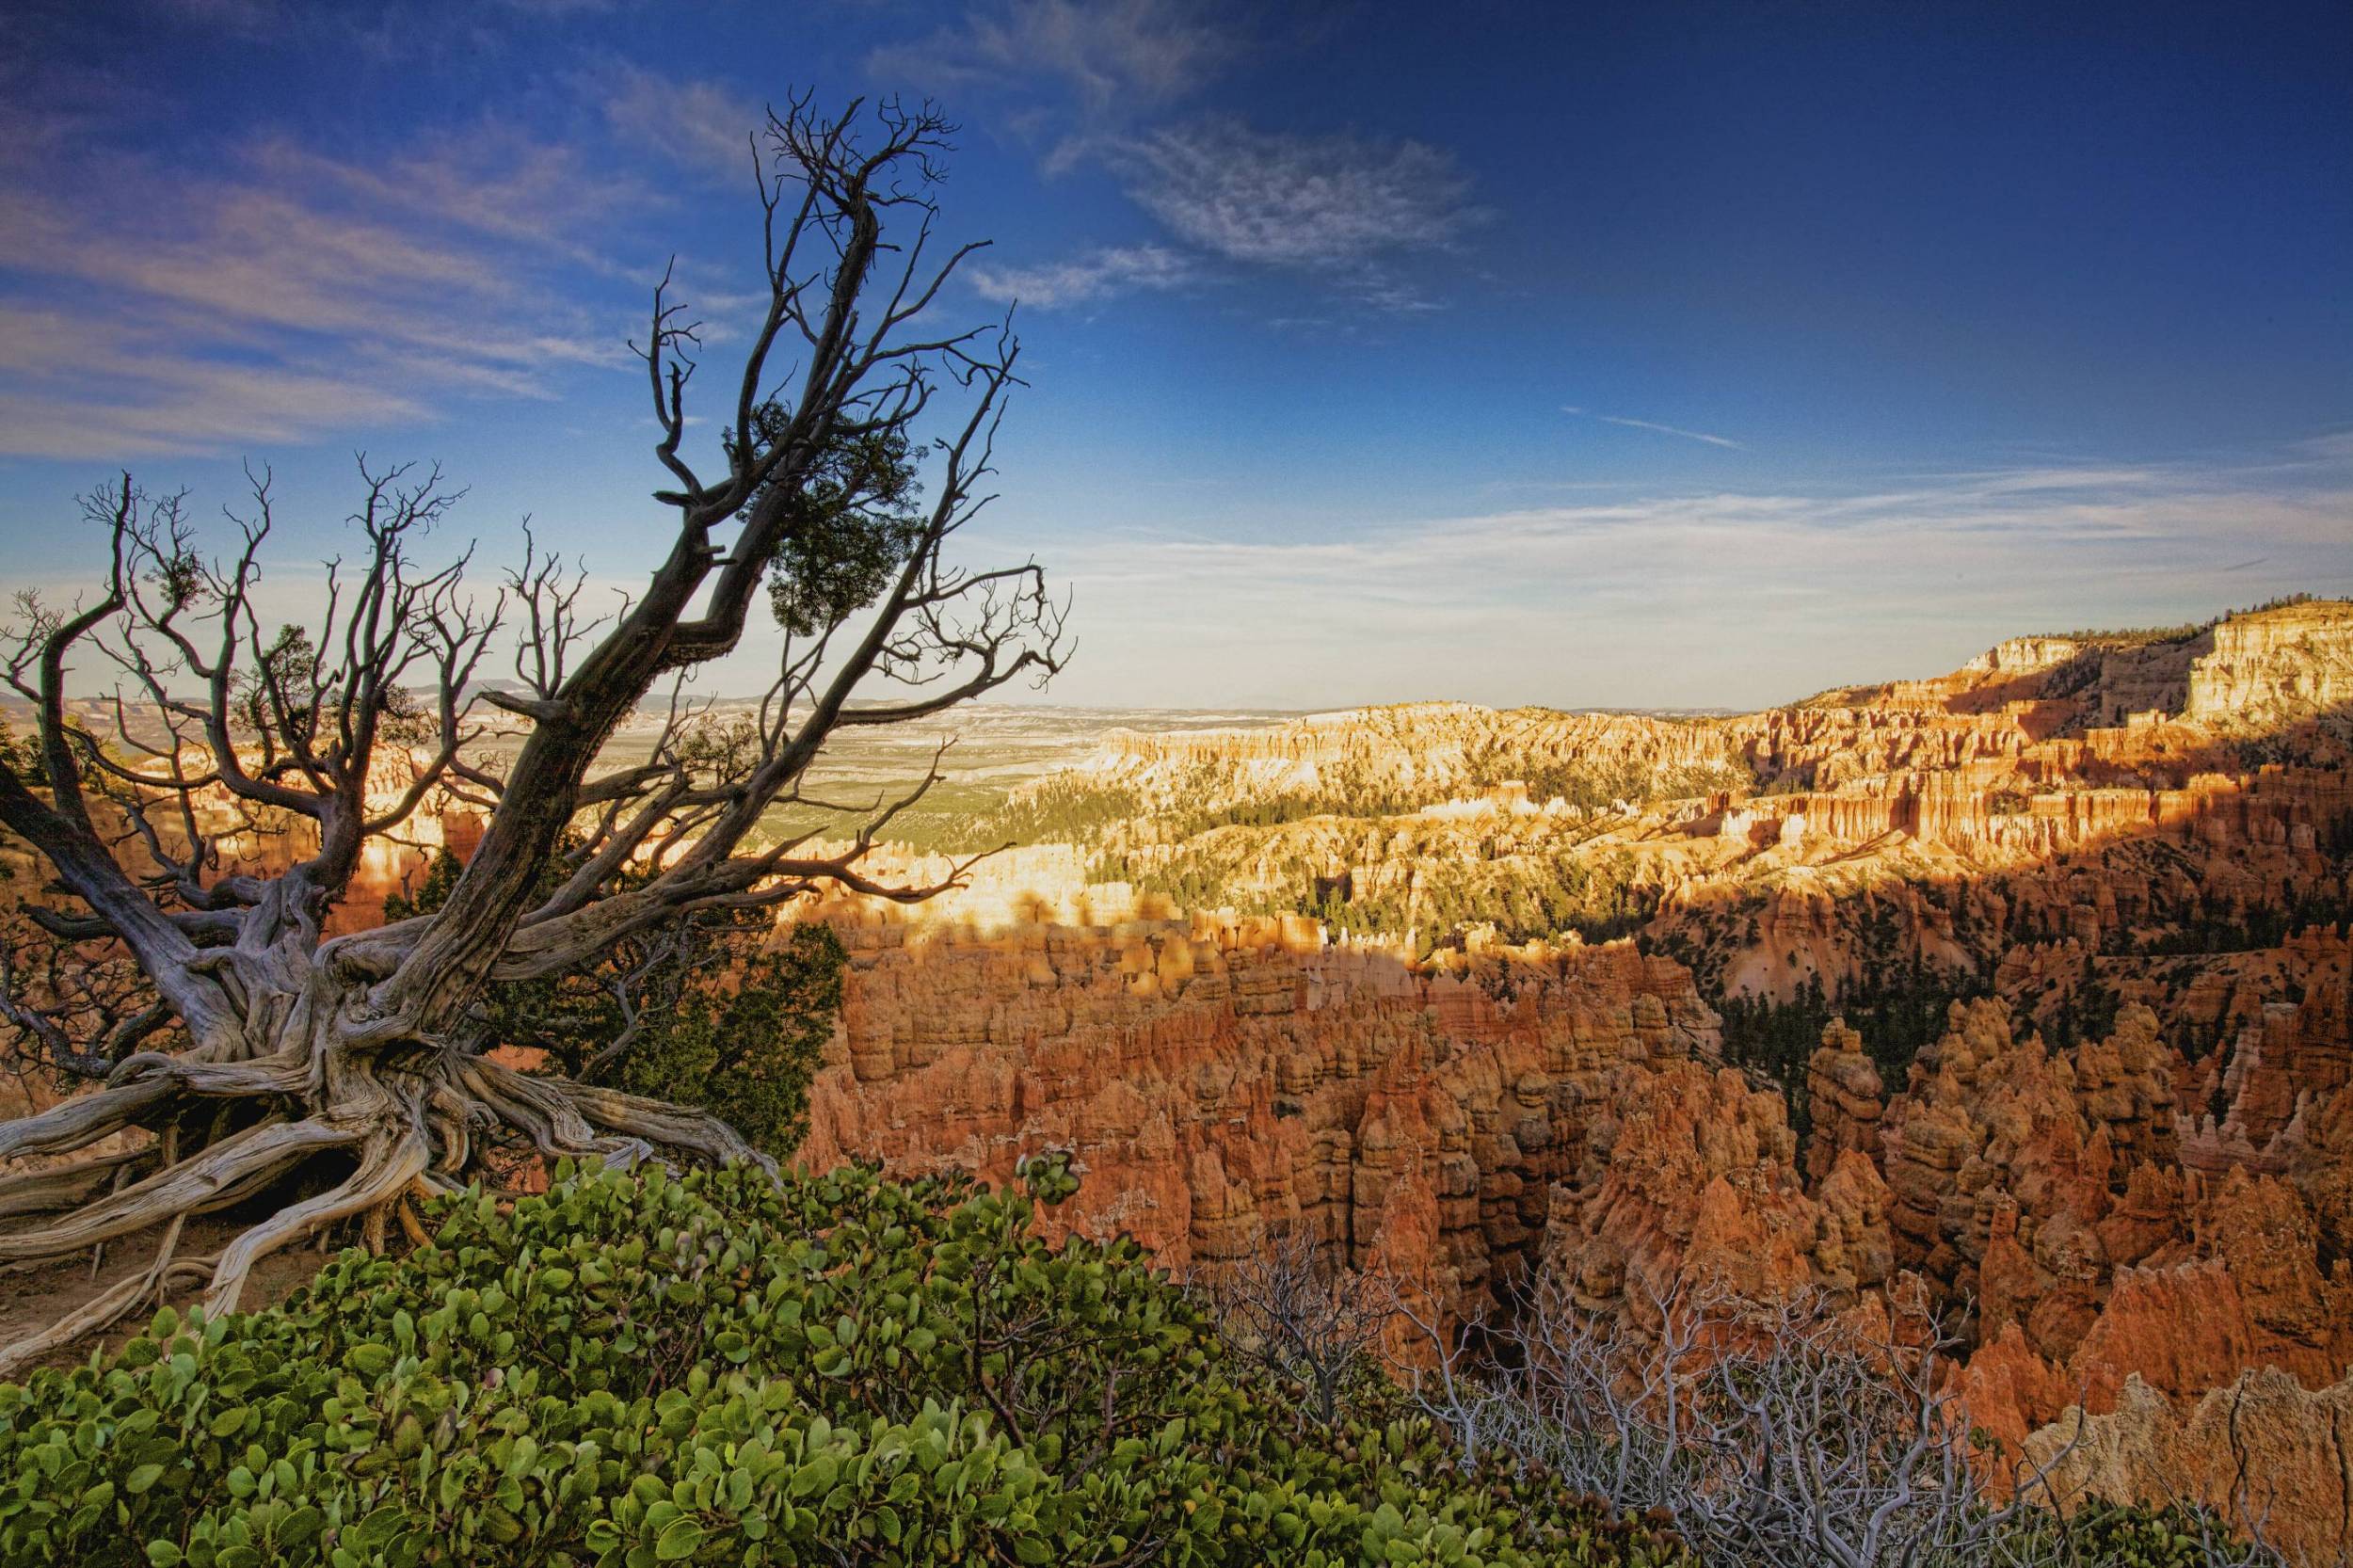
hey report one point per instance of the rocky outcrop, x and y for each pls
(2274, 667)
(1459, 1122)
(2124, 1085)
(2000, 1178)
(2284, 1059)
(2130, 1166)
(2129, 1169)
(2263, 1450)
(2055, 790)
(1844, 1098)
(2259, 670)
(2239, 1285)
(2320, 1168)
(1216, 1077)
(1453, 1124)
(1372, 761)
(2048, 1190)
(1689, 1174)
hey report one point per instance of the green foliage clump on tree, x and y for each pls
(749, 1050)
(640, 1370)
(854, 522)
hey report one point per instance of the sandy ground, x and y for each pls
(31, 1299)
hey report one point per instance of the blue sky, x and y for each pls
(1650, 354)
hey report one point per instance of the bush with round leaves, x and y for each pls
(648, 1369)
(2143, 1535)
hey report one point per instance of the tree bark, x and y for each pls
(348, 1061)
(405, 1114)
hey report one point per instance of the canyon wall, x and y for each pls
(1460, 1123)
(1216, 1079)
(2123, 1172)
(1424, 752)
(1278, 978)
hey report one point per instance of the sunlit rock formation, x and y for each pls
(1356, 973)
(2261, 1447)
(2123, 1170)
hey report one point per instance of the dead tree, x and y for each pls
(354, 1063)
(1781, 1433)
(1294, 1309)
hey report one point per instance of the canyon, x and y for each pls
(2019, 999)
(1300, 976)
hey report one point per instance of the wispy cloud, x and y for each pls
(1086, 280)
(1656, 426)
(288, 294)
(1341, 207)
(1290, 201)
(1085, 78)
(1764, 595)
(241, 16)
(563, 9)
(1114, 57)
(120, 390)
(699, 126)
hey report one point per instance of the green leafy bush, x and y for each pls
(715, 1369)
(2144, 1536)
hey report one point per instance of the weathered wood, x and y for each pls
(359, 1047)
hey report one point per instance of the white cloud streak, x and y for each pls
(1087, 280)
(1287, 201)
(1113, 56)
(1689, 599)
(1339, 209)
(1657, 428)
(699, 126)
(289, 294)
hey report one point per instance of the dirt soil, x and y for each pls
(33, 1298)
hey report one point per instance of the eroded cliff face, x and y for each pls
(2260, 670)
(1689, 1174)
(1461, 1123)
(1217, 1078)
(2274, 669)
(2006, 1163)
(2263, 1446)
(2121, 796)
(1374, 760)
(2123, 1170)
(2049, 1192)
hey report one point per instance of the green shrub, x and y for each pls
(720, 1013)
(747, 1050)
(2144, 1535)
(715, 1369)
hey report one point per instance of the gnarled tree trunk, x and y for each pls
(356, 1065)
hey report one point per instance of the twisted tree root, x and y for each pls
(65, 1186)
(411, 1129)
